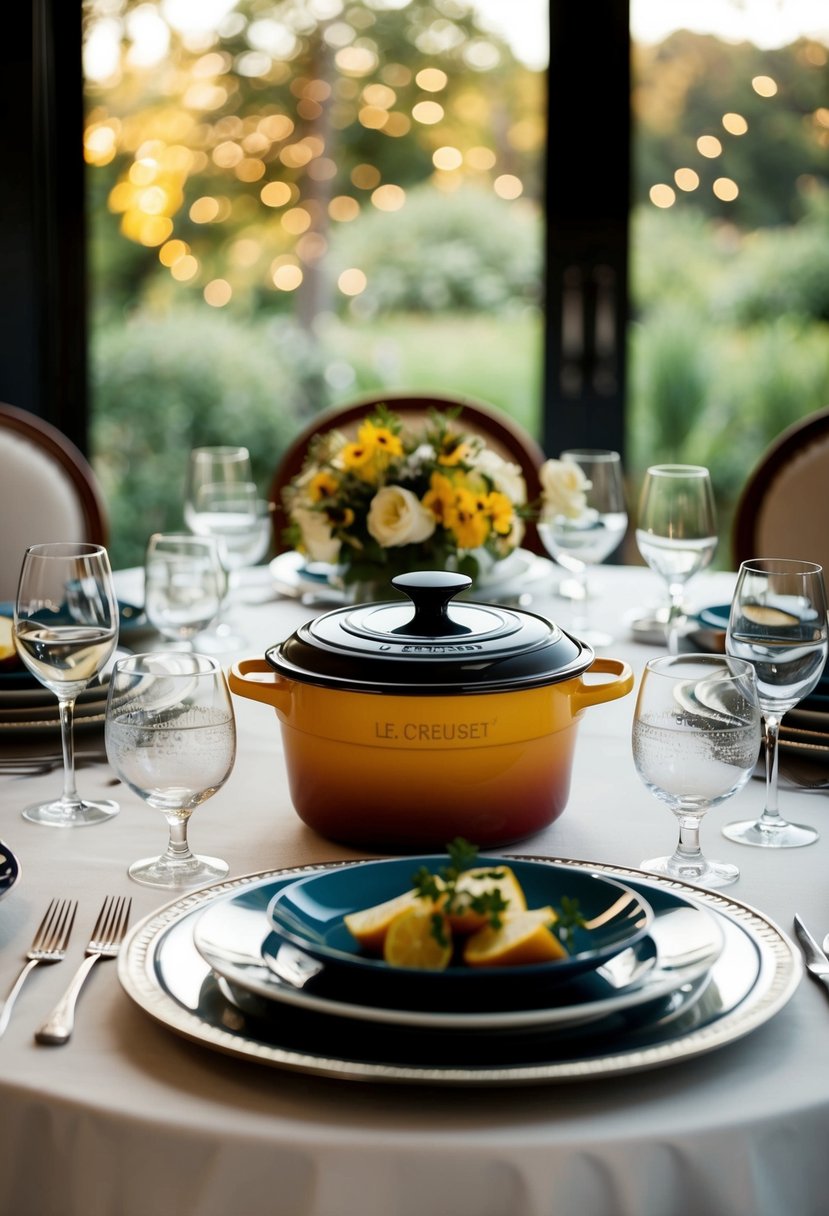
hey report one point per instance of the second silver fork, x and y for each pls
(105, 942)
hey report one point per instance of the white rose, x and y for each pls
(507, 478)
(564, 488)
(317, 538)
(397, 517)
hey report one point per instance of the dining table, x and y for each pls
(135, 1116)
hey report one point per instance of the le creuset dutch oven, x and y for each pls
(403, 729)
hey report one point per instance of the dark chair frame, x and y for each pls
(41, 434)
(789, 444)
(482, 419)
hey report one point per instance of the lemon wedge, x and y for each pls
(411, 942)
(523, 937)
(370, 925)
(8, 652)
(473, 883)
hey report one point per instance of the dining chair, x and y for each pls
(782, 509)
(502, 434)
(48, 492)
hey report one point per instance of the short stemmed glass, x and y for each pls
(579, 541)
(184, 585)
(696, 738)
(778, 623)
(66, 628)
(676, 530)
(171, 737)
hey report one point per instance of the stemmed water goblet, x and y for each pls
(676, 531)
(184, 585)
(221, 501)
(778, 623)
(696, 737)
(581, 530)
(171, 737)
(66, 629)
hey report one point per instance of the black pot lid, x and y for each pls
(430, 645)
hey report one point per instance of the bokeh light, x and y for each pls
(352, 282)
(217, 293)
(662, 195)
(709, 145)
(725, 189)
(686, 179)
(764, 86)
(735, 124)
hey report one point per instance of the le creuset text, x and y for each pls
(432, 732)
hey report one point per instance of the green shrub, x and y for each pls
(162, 385)
(468, 250)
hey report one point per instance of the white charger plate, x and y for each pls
(161, 970)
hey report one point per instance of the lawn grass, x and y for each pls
(496, 359)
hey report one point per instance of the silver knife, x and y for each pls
(817, 964)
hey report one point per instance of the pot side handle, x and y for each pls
(257, 680)
(608, 690)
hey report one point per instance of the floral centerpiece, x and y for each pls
(391, 501)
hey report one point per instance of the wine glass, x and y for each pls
(677, 530)
(696, 737)
(778, 623)
(65, 630)
(171, 737)
(184, 585)
(588, 535)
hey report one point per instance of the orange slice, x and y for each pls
(410, 941)
(475, 882)
(522, 938)
(371, 925)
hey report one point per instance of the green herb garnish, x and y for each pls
(442, 889)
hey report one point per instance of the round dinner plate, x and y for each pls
(232, 936)
(161, 970)
(309, 914)
(9, 869)
(518, 574)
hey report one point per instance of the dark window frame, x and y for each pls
(43, 301)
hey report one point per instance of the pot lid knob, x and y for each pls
(431, 591)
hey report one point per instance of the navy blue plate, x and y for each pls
(309, 913)
(9, 869)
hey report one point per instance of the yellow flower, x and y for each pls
(440, 498)
(380, 440)
(323, 485)
(453, 450)
(469, 525)
(499, 509)
(355, 457)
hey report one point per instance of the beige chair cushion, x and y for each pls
(40, 503)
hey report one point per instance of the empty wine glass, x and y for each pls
(583, 530)
(778, 623)
(66, 628)
(184, 585)
(171, 737)
(696, 737)
(676, 530)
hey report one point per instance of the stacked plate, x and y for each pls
(27, 707)
(261, 967)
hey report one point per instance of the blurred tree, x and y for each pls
(767, 110)
(232, 155)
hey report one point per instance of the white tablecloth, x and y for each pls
(130, 1119)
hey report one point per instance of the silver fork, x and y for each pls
(48, 946)
(105, 942)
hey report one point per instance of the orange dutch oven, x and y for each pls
(410, 722)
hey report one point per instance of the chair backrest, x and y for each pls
(783, 510)
(48, 492)
(502, 434)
